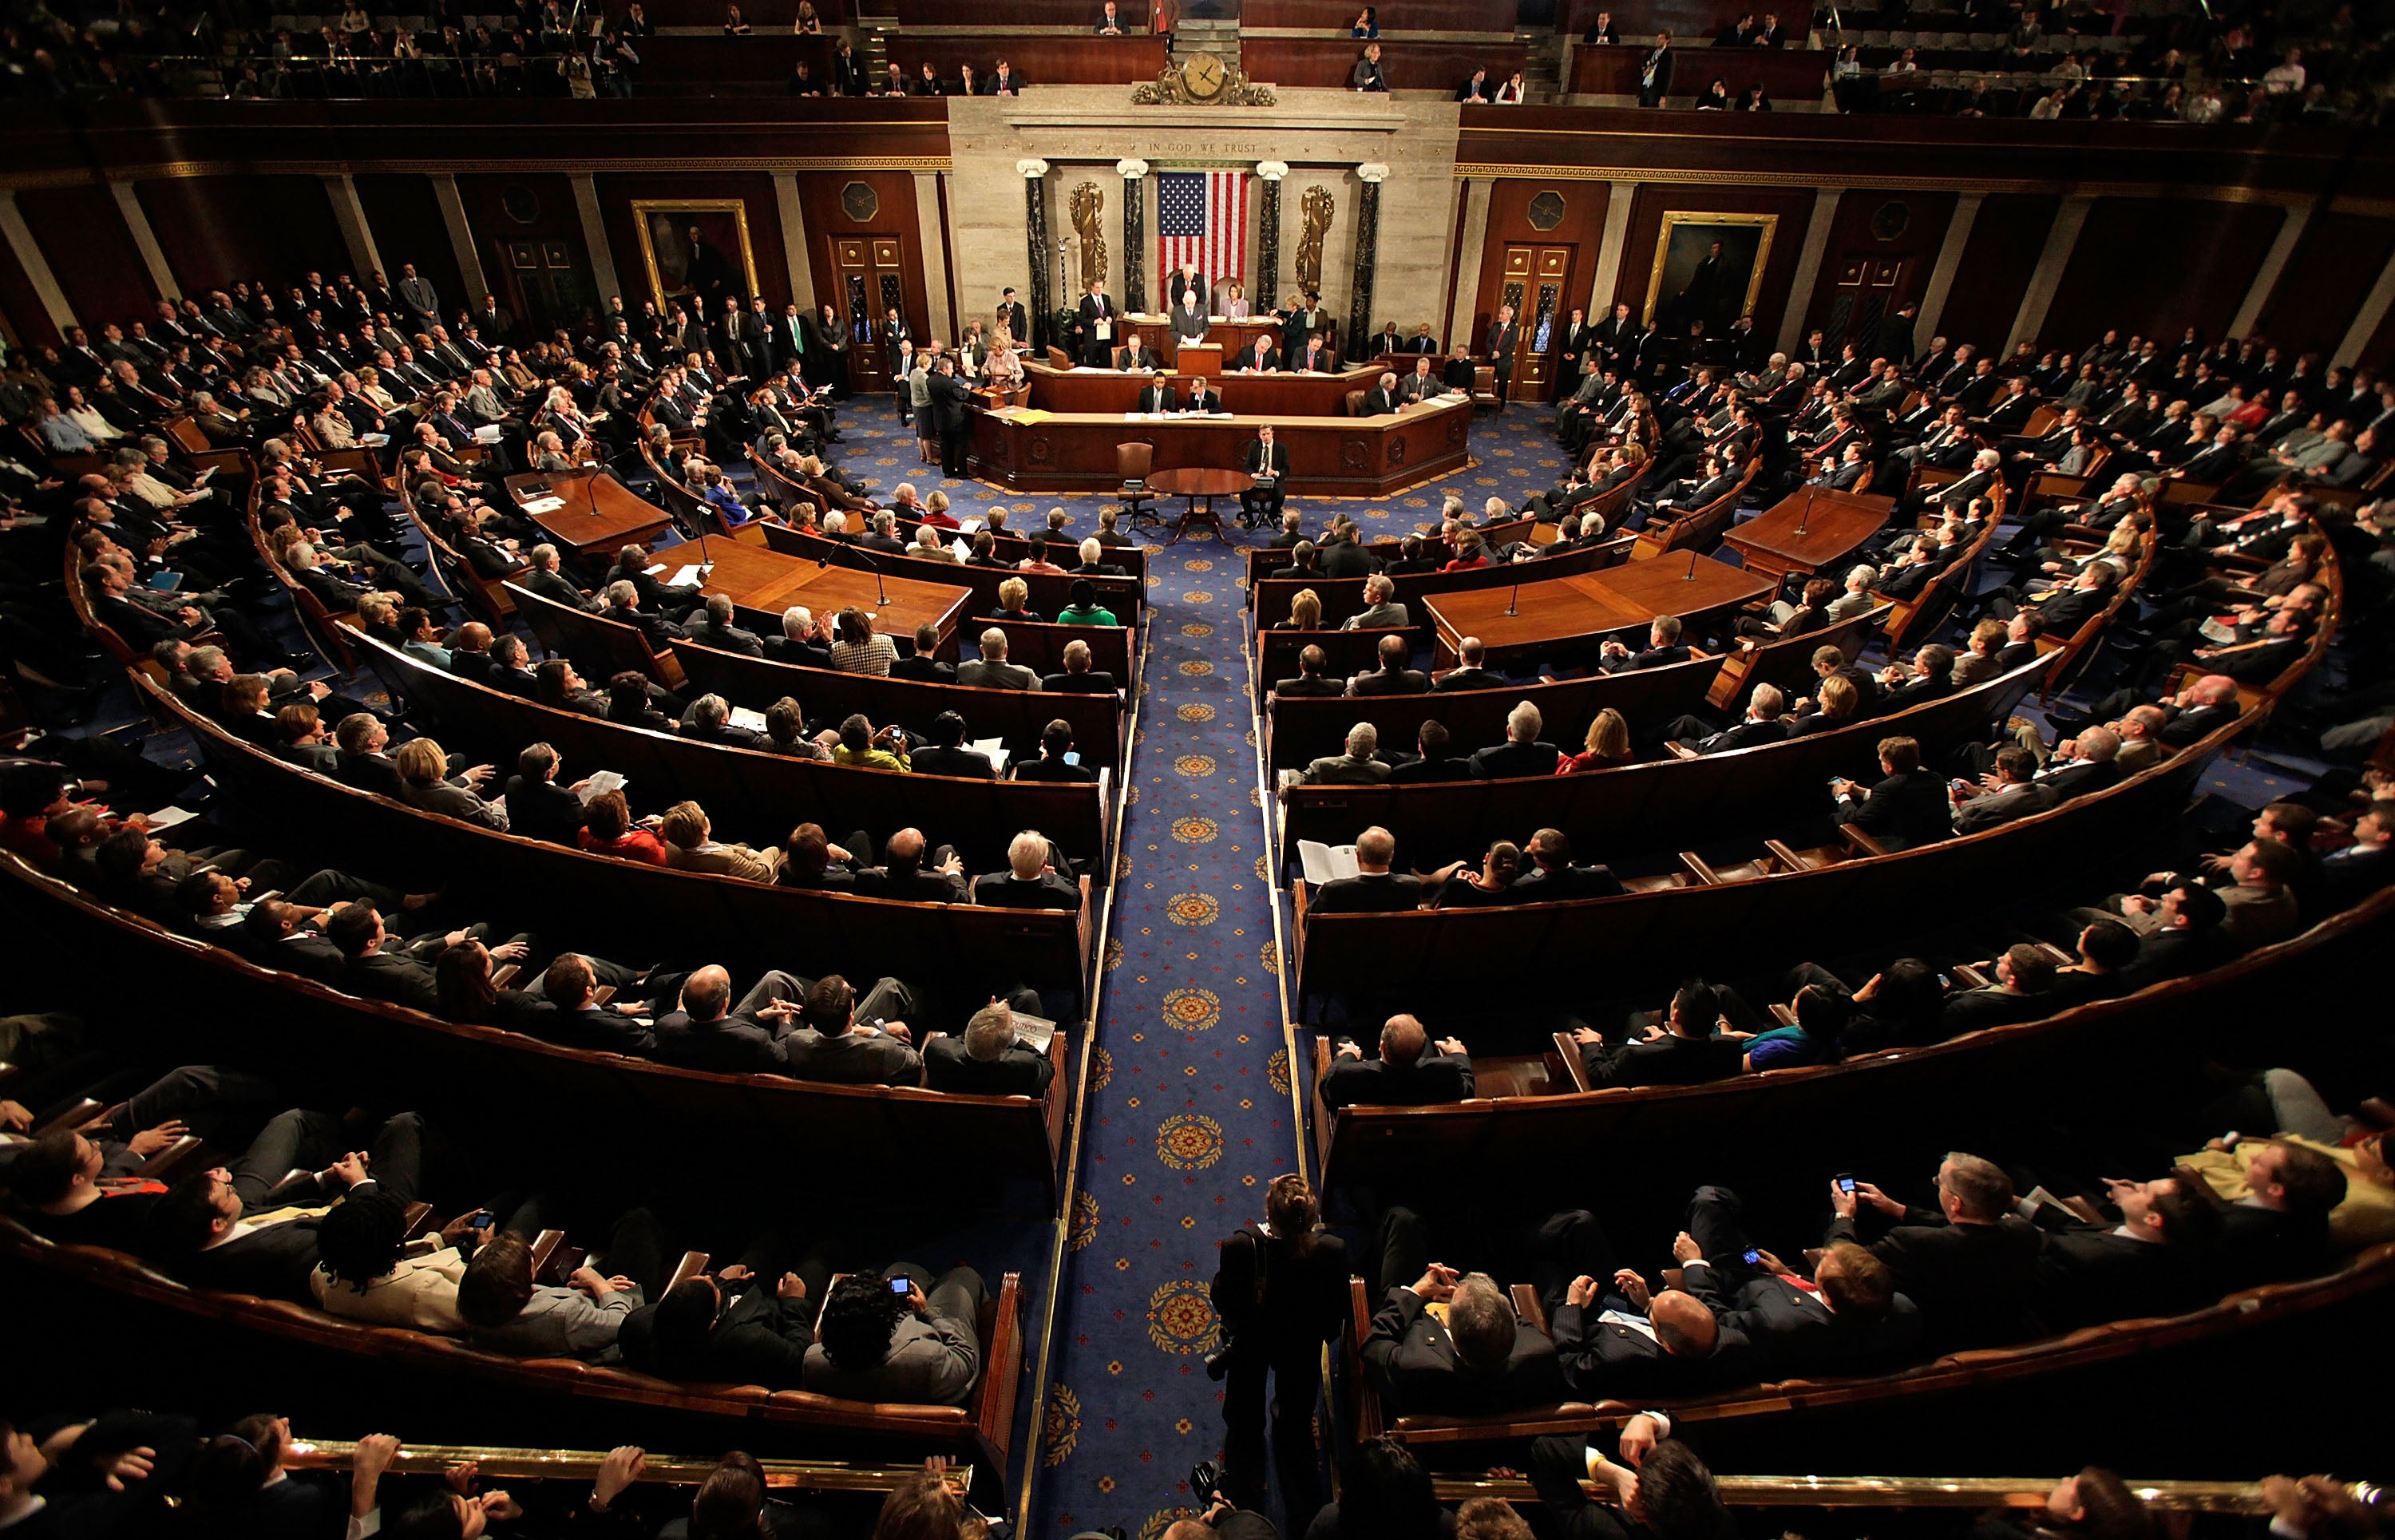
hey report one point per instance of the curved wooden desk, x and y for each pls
(1807, 530)
(771, 582)
(1581, 608)
(1029, 450)
(600, 513)
(1116, 391)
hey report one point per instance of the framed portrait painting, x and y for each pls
(697, 252)
(1709, 267)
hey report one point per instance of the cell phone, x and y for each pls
(1751, 1256)
(484, 1220)
(1344, 1044)
(1846, 1181)
(902, 1285)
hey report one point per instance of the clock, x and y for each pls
(1204, 76)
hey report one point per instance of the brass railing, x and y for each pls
(581, 1465)
(1917, 1492)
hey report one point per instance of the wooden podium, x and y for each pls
(1198, 358)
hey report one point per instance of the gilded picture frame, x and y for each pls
(1684, 241)
(722, 224)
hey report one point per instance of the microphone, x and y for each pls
(1512, 597)
(1690, 575)
(881, 595)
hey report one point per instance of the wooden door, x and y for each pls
(1535, 280)
(869, 282)
(544, 285)
(1869, 287)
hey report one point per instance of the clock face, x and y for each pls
(1204, 75)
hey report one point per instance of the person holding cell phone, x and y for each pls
(886, 1337)
(1848, 1318)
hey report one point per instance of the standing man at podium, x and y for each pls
(1268, 463)
(1189, 315)
(1098, 315)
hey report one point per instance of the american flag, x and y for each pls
(1201, 216)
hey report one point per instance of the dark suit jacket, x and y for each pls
(1316, 685)
(543, 810)
(1667, 1060)
(1972, 1282)
(1997, 808)
(853, 1059)
(758, 1339)
(937, 760)
(919, 885)
(734, 1046)
(1903, 811)
(1794, 1332)
(1540, 885)
(1466, 679)
(1413, 1364)
(1016, 1072)
(1049, 891)
(1380, 682)
(931, 671)
(1435, 1077)
(1510, 758)
(1653, 657)
(1420, 772)
(2086, 1274)
(1389, 892)
(1602, 1358)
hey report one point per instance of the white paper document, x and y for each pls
(599, 782)
(996, 750)
(686, 577)
(1325, 863)
(743, 716)
(1034, 1033)
(544, 505)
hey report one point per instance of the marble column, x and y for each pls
(1367, 244)
(2046, 280)
(1941, 274)
(794, 240)
(1808, 267)
(1035, 235)
(2366, 322)
(1134, 236)
(594, 242)
(37, 267)
(461, 242)
(935, 256)
(349, 213)
(2257, 294)
(145, 240)
(1609, 248)
(1477, 191)
(1265, 291)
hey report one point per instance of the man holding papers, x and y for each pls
(1202, 396)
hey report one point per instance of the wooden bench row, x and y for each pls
(1050, 592)
(1268, 599)
(627, 909)
(237, 1012)
(1660, 804)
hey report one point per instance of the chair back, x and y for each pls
(1355, 403)
(1132, 462)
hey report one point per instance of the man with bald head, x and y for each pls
(1411, 1071)
(469, 652)
(706, 1031)
(1374, 889)
(903, 873)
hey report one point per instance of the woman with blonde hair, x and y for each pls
(1281, 1290)
(1304, 612)
(1608, 745)
(424, 782)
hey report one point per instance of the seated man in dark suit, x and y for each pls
(835, 1045)
(2151, 1263)
(1481, 1358)
(710, 722)
(1078, 678)
(1522, 753)
(1761, 724)
(1967, 1264)
(1549, 876)
(1685, 1049)
(985, 1060)
(903, 875)
(2278, 1228)
(624, 607)
(921, 664)
(1391, 677)
(1905, 808)
(1056, 756)
(801, 642)
(244, 1229)
(1374, 889)
(1310, 680)
(537, 807)
(1411, 1071)
(1617, 1336)
(1848, 1319)
(716, 630)
(707, 1031)
(1357, 766)
(2017, 794)
(1929, 675)
(749, 1326)
(945, 755)
(469, 652)
(1663, 646)
(1031, 880)
(1432, 762)
(2018, 989)
(1470, 672)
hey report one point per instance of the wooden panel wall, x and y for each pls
(827, 216)
(1995, 269)
(404, 216)
(90, 252)
(214, 229)
(1852, 233)
(2158, 266)
(1794, 206)
(1509, 224)
(2336, 262)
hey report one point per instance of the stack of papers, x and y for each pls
(544, 505)
(167, 818)
(489, 432)
(599, 782)
(1326, 863)
(996, 750)
(743, 716)
(1034, 1033)
(687, 577)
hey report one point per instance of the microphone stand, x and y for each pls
(881, 594)
(1690, 575)
(1511, 598)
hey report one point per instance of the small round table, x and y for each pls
(1196, 482)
